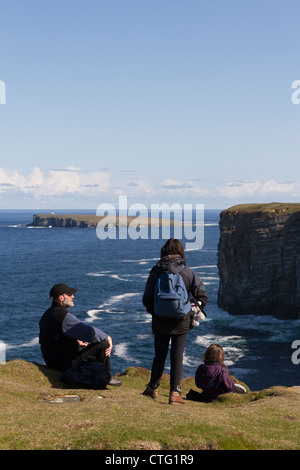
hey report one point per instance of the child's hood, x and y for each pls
(206, 373)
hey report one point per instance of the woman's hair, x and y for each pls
(214, 353)
(172, 247)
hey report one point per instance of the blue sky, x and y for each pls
(162, 101)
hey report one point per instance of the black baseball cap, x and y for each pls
(60, 289)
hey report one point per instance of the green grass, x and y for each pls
(273, 207)
(125, 419)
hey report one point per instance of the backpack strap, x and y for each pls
(186, 280)
(187, 283)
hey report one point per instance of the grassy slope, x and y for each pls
(125, 419)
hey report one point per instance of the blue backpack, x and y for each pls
(171, 298)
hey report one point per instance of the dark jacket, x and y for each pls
(194, 285)
(214, 380)
(59, 332)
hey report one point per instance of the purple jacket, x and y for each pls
(214, 380)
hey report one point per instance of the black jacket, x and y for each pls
(194, 285)
(57, 348)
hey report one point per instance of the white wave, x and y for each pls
(121, 350)
(145, 320)
(206, 340)
(115, 276)
(95, 274)
(234, 346)
(209, 278)
(208, 283)
(233, 356)
(140, 261)
(190, 361)
(204, 267)
(137, 275)
(115, 299)
(111, 302)
(93, 315)
(101, 273)
(106, 274)
(33, 342)
(146, 336)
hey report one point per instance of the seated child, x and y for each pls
(213, 377)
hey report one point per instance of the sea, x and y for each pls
(110, 275)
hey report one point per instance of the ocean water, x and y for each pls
(110, 276)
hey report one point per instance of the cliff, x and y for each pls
(74, 220)
(91, 221)
(259, 260)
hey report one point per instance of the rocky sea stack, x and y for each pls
(259, 260)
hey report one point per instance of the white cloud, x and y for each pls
(140, 187)
(182, 188)
(259, 188)
(73, 184)
(58, 182)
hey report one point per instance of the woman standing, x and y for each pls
(169, 328)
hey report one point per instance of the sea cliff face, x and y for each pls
(79, 221)
(66, 221)
(259, 260)
(43, 221)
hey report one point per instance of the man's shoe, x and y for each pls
(115, 382)
(151, 392)
(176, 399)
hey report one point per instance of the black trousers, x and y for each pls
(95, 350)
(161, 345)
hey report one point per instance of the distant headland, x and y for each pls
(91, 221)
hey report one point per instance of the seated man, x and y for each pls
(66, 340)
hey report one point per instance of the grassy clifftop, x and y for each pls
(273, 207)
(122, 418)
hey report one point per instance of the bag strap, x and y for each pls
(186, 280)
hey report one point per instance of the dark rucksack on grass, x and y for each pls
(87, 374)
